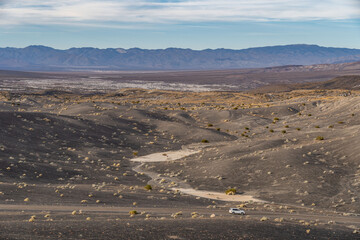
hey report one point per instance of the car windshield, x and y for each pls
(235, 209)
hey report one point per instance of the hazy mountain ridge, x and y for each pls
(46, 58)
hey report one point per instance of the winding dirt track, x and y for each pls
(182, 186)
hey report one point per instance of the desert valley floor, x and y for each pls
(77, 165)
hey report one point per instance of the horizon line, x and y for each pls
(167, 48)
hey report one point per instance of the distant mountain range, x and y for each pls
(41, 58)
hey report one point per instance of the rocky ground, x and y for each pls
(66, 169)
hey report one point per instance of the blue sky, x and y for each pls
(198, 24)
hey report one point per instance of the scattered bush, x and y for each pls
(340, 122)
(32, 219)
(283, 131)
(194, 215)
(133, 212)
(218, 129)
(320, 138)
(271, 130)
(317, 126)
(286, 126)
(230, 191)
(148, 187)
(276, 119)
(204, 141)
(298, 129)
(331, 126)
(210, 125)
(309, 114)
(174, 215)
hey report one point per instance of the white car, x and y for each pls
(236, 211)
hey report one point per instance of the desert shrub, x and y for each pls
(204, 141)
(353, 114)
(331, 126)
(319, 138)
(340, 122)
(286, 126)
(133, 212)
(299, 114)
(174, 215)
(317, 126)
(218, 129)
(246, 128)
(230, 191)
(32, 219)
(276, 119)
(283, 131)
(148, 187)
(210, 125)
(267, 127)
(271, 130)
(135, 153)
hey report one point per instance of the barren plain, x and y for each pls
(155, 164)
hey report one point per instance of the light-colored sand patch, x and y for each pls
(218, 195)
(166, 156)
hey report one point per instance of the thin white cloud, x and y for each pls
(119, 12)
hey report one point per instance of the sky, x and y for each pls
(196, 24)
